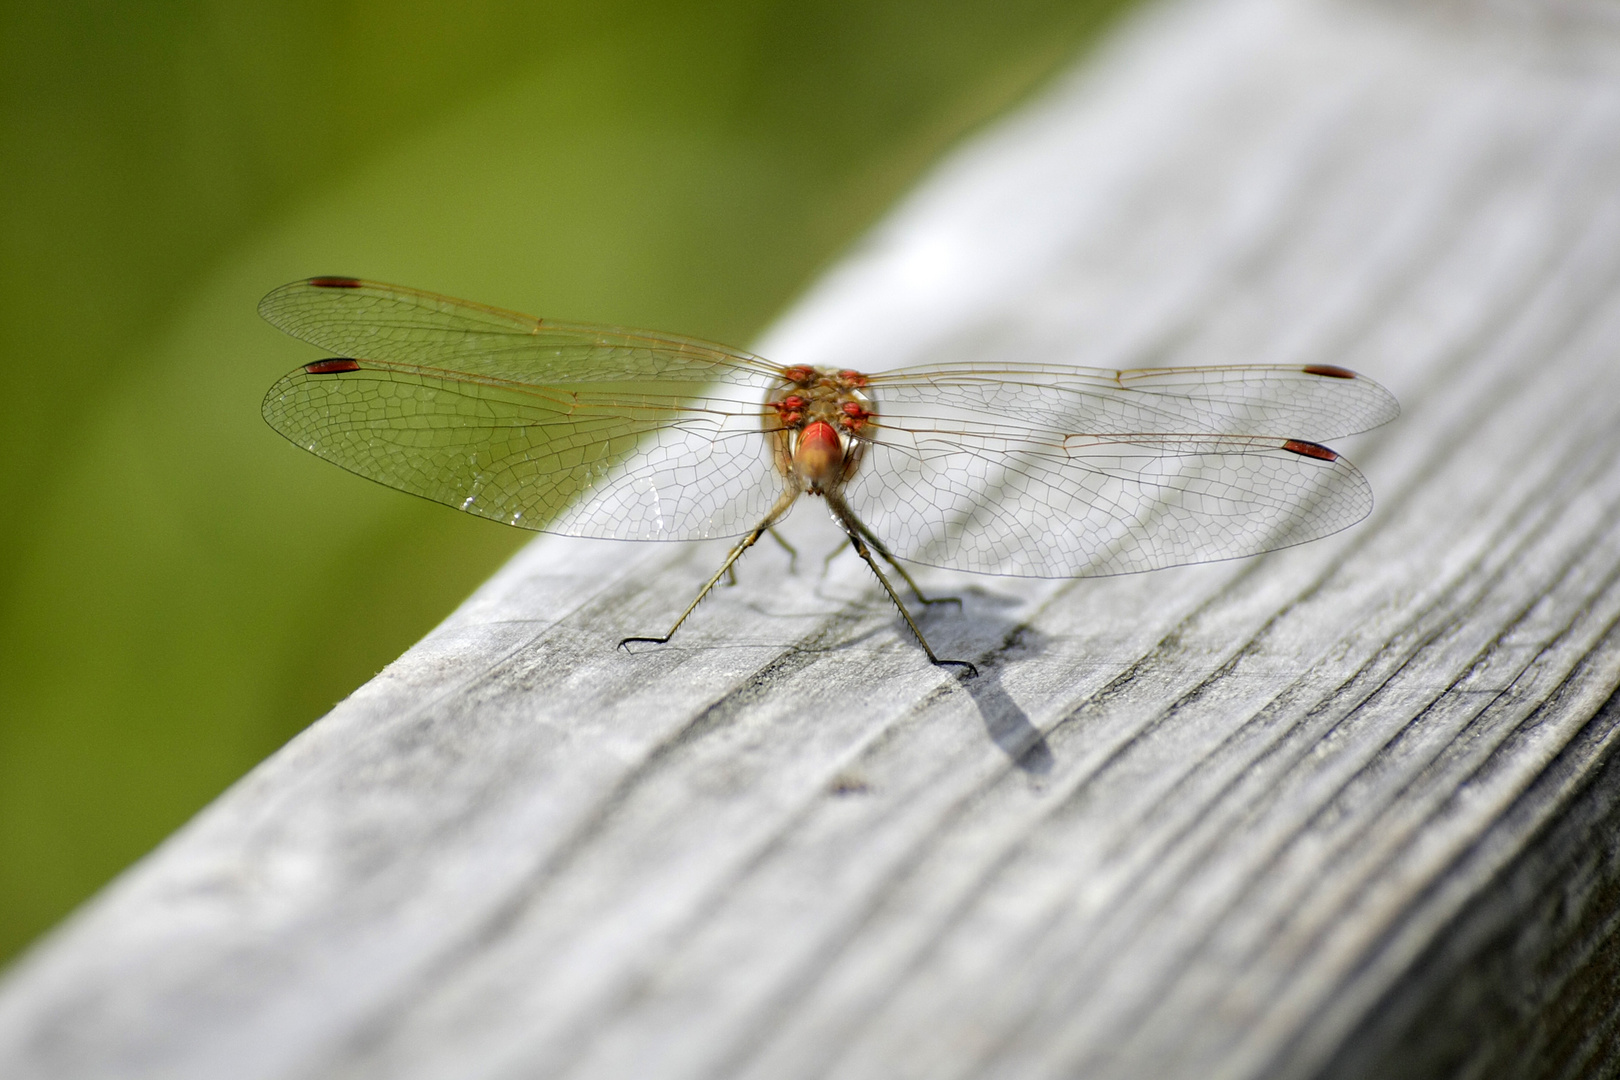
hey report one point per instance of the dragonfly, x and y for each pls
(1020, 469)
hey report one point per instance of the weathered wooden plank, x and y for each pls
(1314, 813)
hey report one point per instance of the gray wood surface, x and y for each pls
(1347, 809)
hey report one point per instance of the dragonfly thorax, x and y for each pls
(819, 420)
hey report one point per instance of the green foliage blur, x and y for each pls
(181, 590)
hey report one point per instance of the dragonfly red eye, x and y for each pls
(790, 410)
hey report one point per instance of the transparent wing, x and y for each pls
(587, 431)
(999, 499)
(1287, 402)
(1029, 470)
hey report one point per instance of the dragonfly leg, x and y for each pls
(865, 552)
(726, 568)
(858, 535)
(748, 541)
(878, 546)
(793, 552)
(926, 601)
(826, 564)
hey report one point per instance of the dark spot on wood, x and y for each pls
(845, 784)
(1310, 449)
(334, 366)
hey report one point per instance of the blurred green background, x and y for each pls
(181, 590)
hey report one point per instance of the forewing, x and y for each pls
(999, 499)
(1313, 402)
(371, 321)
